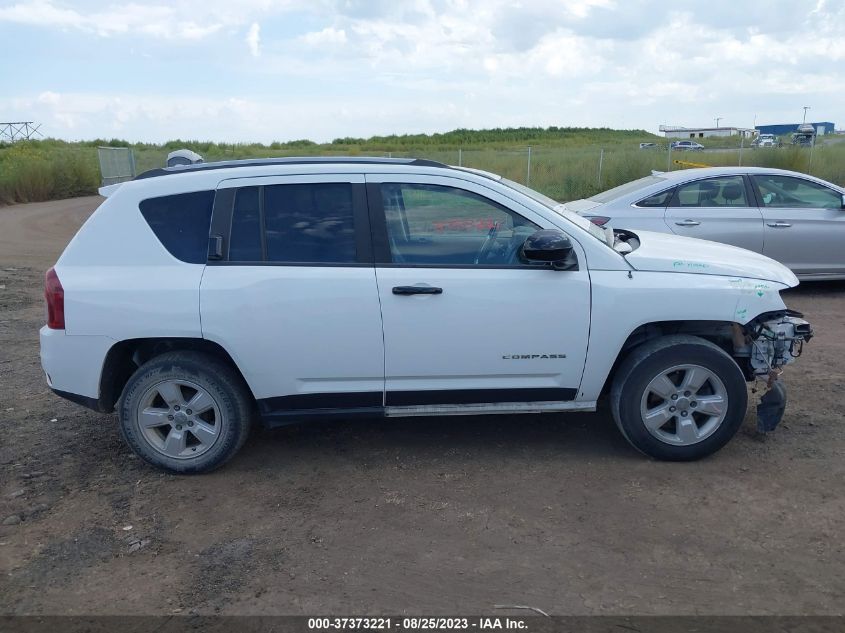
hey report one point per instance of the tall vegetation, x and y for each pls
(46, 170)
(566, 163)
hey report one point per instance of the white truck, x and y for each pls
(199, 299)
(766, 140)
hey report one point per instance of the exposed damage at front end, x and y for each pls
(763, 346)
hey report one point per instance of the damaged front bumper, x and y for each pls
(768, 343)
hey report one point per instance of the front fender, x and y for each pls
(754, 297)
(622, 303)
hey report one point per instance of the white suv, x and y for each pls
(197, 299)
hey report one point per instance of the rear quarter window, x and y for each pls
(656, 200)
(181, 223)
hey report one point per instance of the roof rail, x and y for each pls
(309, 160)
(479, 172)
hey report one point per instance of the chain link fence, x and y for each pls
(565, 173)
(117, 164)
(562, 173)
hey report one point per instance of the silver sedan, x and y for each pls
(791, 217)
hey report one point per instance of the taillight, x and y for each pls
(55, 296)
(600, 220)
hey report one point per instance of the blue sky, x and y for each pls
(263, 70)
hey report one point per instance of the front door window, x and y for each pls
(434, 224)
(778, 191)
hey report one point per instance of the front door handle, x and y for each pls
(688, 223)
(779, 225)
(417, 290)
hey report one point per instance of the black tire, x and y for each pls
(226, 388)
(645, 363)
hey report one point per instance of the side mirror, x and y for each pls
(843, 200)
(549, 246)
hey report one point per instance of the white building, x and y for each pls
(675, 131)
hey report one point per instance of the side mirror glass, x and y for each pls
(549, 246)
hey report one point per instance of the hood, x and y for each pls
(660, 252)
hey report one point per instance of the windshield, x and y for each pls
(628, 187)
(582, 223)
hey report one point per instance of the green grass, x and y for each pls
(564, 161)
(572, 173)
(46, 171)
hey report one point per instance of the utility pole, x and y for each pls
(805, 114)
(12, 131)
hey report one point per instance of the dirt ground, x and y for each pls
(432, 516)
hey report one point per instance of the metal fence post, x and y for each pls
(460, 157)
(601, 161)
(741, 146)
(669, 159)
(810, 162)
(528, 174)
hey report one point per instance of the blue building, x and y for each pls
(781, 129)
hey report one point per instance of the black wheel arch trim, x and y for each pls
(86, 401)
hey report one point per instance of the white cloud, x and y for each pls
(253, 39)
(49, 98)
(160, 117)
(429, 65)
(328, 35)
(41, 13)
(582, 8)
(155, 20)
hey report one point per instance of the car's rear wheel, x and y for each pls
(185, 412)
(679, 398)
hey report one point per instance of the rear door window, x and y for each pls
(307, 223)
(181, 223)
(724, 191)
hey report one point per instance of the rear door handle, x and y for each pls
(417, 290)
(779, 225)
(215, 247)
(688, 223)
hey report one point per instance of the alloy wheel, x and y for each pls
(179, 419)
(684, 405)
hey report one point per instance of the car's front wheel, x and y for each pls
(679, 398)
(185, 412)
